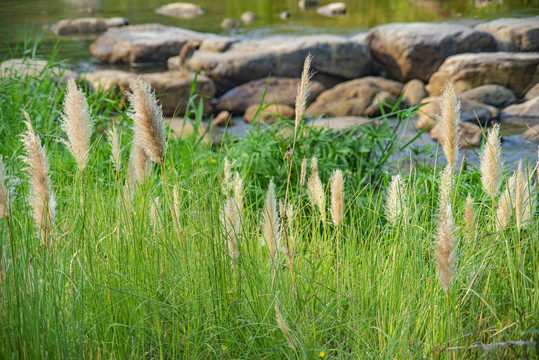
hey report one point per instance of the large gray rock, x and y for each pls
(532, 93)
(279, 90)
(514, 34)
(143, 43)
(284, 56)
(532, 133)
(414, 92)
(416, 50)
(333, 9)
(87, 26)
(495, 95)
(355, 98)
(521, 114)
(516, 71)
(171, 87)
(180, 10)
(470, 111)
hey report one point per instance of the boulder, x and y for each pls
(279, 90)
(532, 93)
(333, 9)
(87, 26)
(171, 87)
(271, 114)
(470, 135)
(416, 50)
(183, 128)
(218, 44)
(222, 119)
(284, 56)
(414, 92)
(285, 15)
(516, 35)
(152, 43)
(180, 10)
(470, 111)
(339, 123)
(32, 68)
(495, 95)
(521, 114)
(230, 24)
(532, 133)
(248, 17)
(516, 71)
(356, 97)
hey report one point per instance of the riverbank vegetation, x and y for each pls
(122, 242)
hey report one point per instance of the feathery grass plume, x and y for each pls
(519, 196)
(270, 228)
(469, 221)
(489, 163)
(303, 172)
(449, 120)
(315, 190)
(238, 195)
(444, 192)
(530, 202)
(505, 204)
(396, 207)
(284, 327)
(176, 200)
(337, 196)
(231, 223)
(227, 168)
(444, 250)
(303, 92)
(41, 195)
(148, 121)
(77, 124)
(139, 164)
(4, 198)
(112, 134)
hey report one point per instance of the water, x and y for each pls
(24, 18)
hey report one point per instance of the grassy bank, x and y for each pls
(117, 276)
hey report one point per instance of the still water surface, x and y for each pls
(21, 19)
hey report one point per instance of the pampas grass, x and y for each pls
(449, 120)
(77, 124)
(284, 327)
(396, 207)
(139, 164)
(337, 197)
(41, 194)
(148, 121)
(315, 190)
(490, 163)
(270, 227)
(469, 220)
(303, 92)
(519, 197)
(505, 204)
(303, 172)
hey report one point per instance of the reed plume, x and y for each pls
(41, 195)
(489, 164)
(396, 208)
(303, 172)
(519, 197)
(116, 152)
(270, 229)
(315, 190)
(444, 250)
(238, 195)
(77, 124)
(505, 204)
(469, 221)
(444, 192)
(337, 196)
(148, 121)
(176, 200)
(139, 164)
(227, 181)
(231, 222)
(303, 92)
(449, 120)
(284, 327)
(4, 198)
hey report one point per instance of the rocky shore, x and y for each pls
(494, 66)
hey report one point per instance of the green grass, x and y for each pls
(115, 285)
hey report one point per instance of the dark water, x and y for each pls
(20, 19)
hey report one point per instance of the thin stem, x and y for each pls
(448, 326)
(11, 244)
